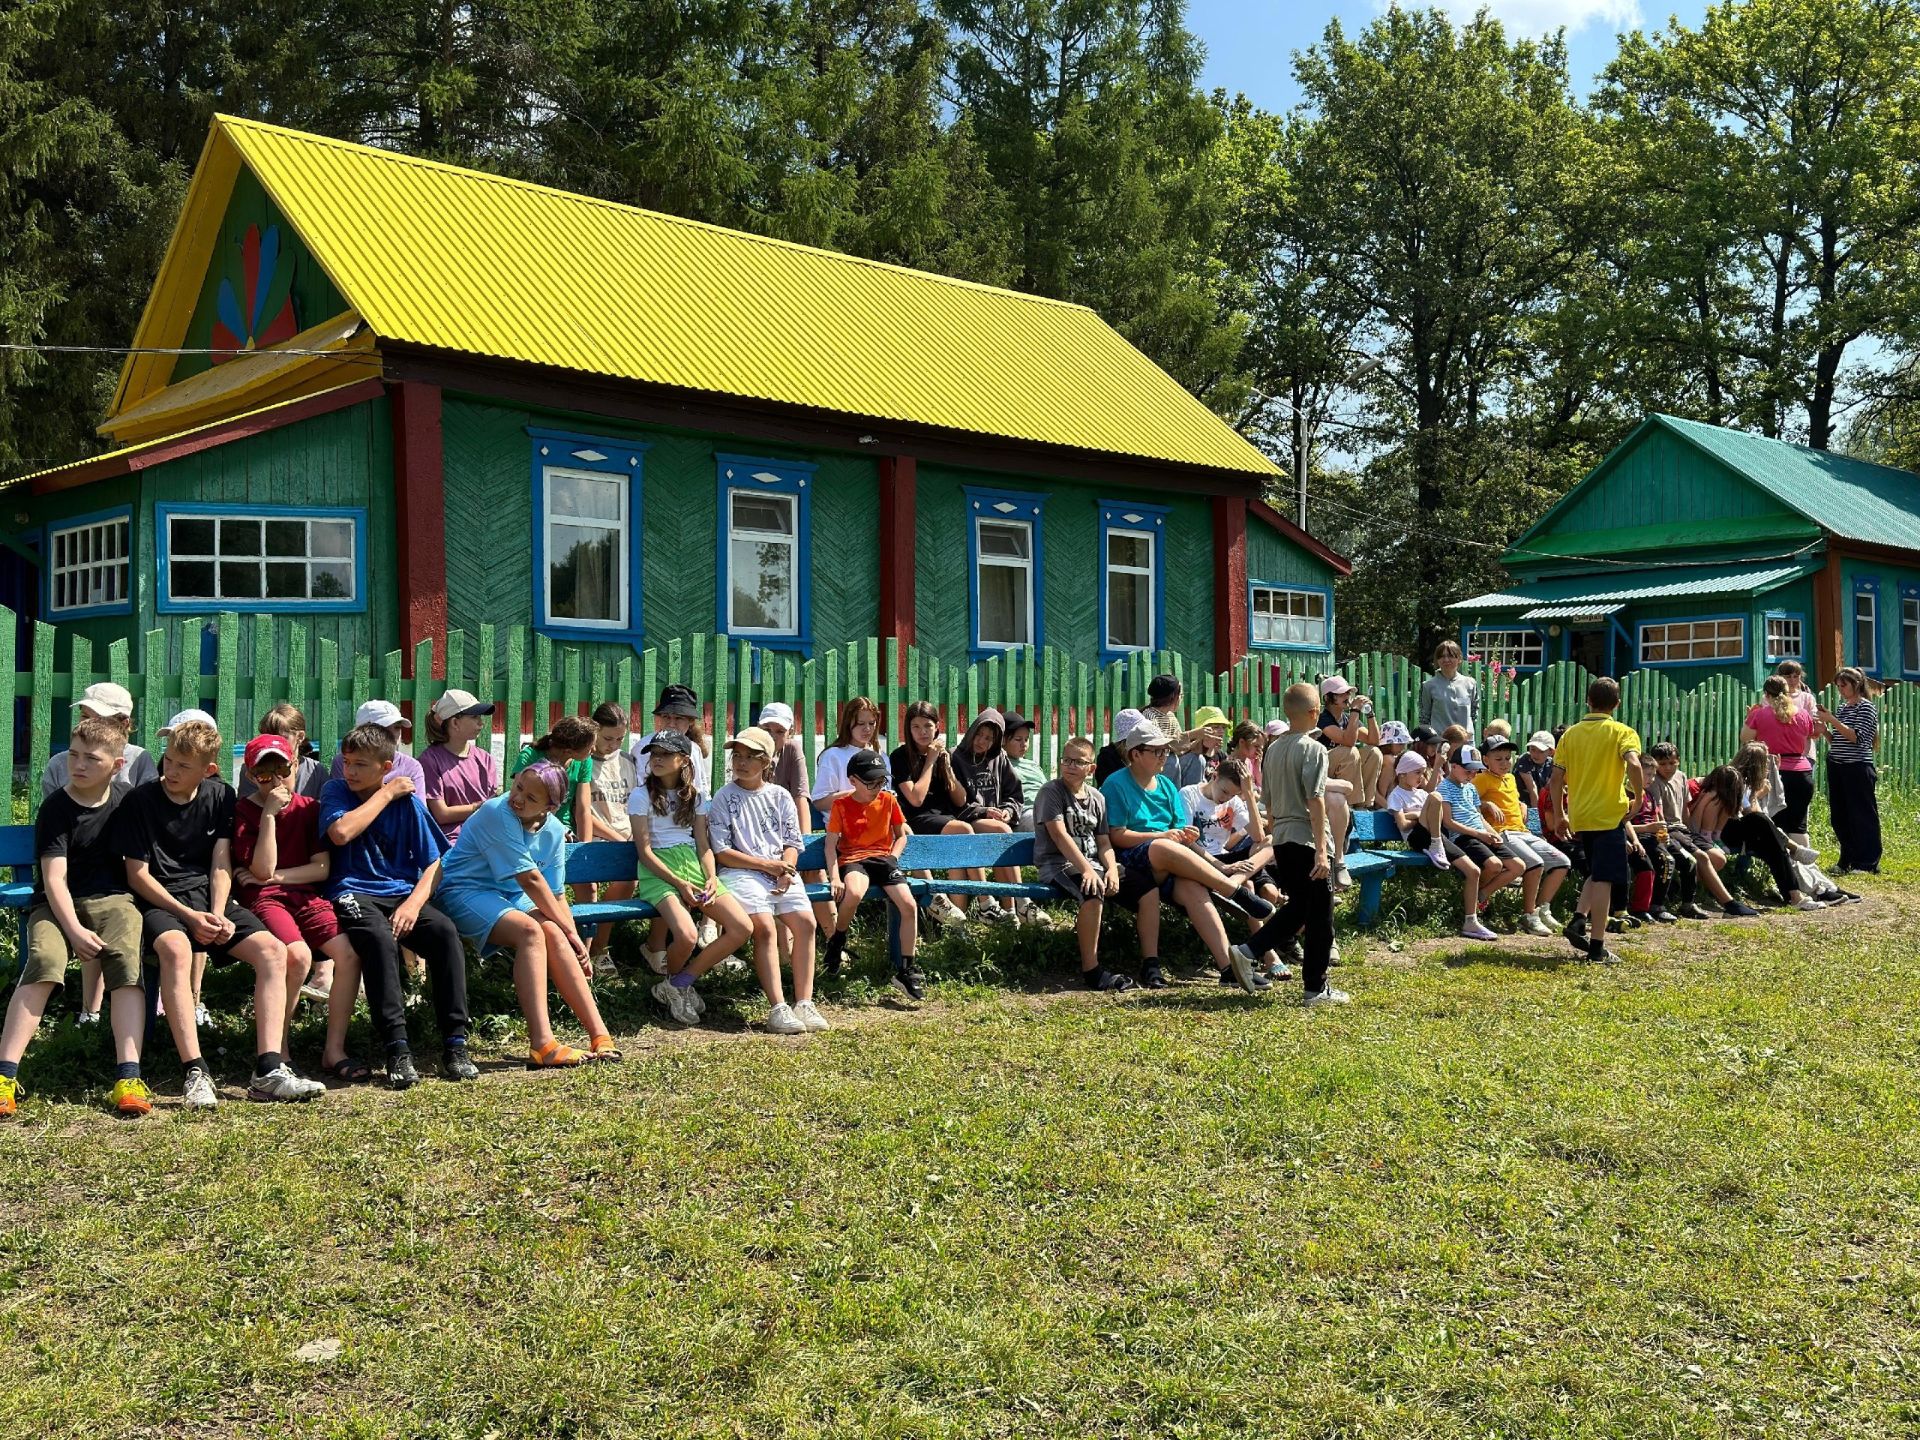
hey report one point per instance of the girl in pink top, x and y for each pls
(1787, 730)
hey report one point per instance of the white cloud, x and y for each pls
(1539, 17)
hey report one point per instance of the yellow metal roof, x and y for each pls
(434, 255)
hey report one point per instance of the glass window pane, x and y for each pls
(332, 582)
(583, 567)
(1133, 550)
(1006, 541)
(1129, 621)
(190, 535)
(286, 580)
(768, 514)
(1003, 605)
(190, 580)
(239, 537)
(286, 537)
(332, 539)
(762, 577)
(240, 580)
(584, 497)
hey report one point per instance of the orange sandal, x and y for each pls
(602, 1047)
(554, 1056)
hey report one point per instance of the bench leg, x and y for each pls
(893, 933)
(1368, 910)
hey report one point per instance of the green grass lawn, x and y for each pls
(1502, 1195)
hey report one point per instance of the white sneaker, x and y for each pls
(88, 1017)
(707, 933)
(1805, 854)
(987, 911)
(1807, 902)
(1333, 952)
(1244, 965)
(656, 961)
(199, 1094)
(1437, 853)
(1474, 930)
(1534, 925)
(1342, 877)
(200, 1015)
(946, 912)
(1547, 918)
(1328, 996)
(810, 1017)
(782, 1021)
(679, 1002)
(280, 1083)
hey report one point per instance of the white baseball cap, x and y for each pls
(1541, 740)
(454, 702)
(104, 699)
(776, 712)
(383, 713)
(186, 717)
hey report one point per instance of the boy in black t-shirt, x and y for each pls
(176, 836)
(81, 911)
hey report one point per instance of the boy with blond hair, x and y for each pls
(176, 838)
(81, 911)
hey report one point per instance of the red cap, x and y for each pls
(262, 746)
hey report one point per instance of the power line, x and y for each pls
(356, 357)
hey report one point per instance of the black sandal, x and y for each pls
(347, 1071)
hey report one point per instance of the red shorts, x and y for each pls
(296, 914)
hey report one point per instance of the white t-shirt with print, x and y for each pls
(1215, 821)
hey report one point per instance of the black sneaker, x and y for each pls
(1110, 981)
(1292, 951)
(1665, 917)
(455, 1064)
(1575, 931)
(1641, 917)
(836, 952)
(1152, 977)
(400, 1072)
(908, 977)
(1692, 911)
(1255, 905)
(1739, 911)
(1604, 957)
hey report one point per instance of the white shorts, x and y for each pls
(754, 890)
(1533, 852)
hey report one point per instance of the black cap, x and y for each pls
(668, 742)
(1498, 742)
(1162, 688)
(868, 768)
(1016, 721)
(678, 700)
(1425, 735)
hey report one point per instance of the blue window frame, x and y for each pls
(765, 587)
(253, 559)
(1692, 640)
(1006, 593)
(1910, 630)
(86, 565)
(1133, 574)
(1866, 623)
(1524, 647)
(586, 535)
(1286, 615)
(1786, 635)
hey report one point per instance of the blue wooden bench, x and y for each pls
(16, 863)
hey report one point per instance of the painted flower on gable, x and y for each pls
(260, 312)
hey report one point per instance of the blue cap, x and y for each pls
(1468, 756)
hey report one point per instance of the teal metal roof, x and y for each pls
(1627, 586)
(1855, 499)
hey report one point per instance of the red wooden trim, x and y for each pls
(899, 515)
(420, 507)
(1229, 580)
(1262, 510)
(191, 442)
(1829, 618)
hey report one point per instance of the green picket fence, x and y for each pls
(260, 660)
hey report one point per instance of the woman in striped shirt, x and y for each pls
(1852, 737)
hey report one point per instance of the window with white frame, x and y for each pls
(257, 557)
(586, 529)
(763, 562)
(1866, 627)
(1003, 551)
(1281, 616)
(1524, 649)
(1681, 642)
(87, 565)
(1130, 581)
(1786, 637)
(1910, 633)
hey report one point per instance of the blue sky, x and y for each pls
(1250, 43)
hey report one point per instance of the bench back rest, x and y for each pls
(1376, 827)
(16, 845)
(604, 860)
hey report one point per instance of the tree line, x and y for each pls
(1440, 289)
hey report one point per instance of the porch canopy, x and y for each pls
(1600, 596)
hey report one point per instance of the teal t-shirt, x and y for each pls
(1131, 808)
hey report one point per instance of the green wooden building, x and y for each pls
(1703, 550)
(418, 398)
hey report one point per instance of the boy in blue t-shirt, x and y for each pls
(1154, 840)
(386, 858)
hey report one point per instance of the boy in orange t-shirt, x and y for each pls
(866, 832)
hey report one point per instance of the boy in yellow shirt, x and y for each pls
(1596, 778)
(1546, 864)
